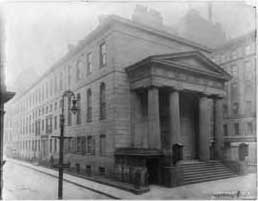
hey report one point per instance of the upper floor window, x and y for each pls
(46, 89)
(249, 128)
(102, 144)
(103, 54)
(234, 71)
(78, 120)
(225, 110)
(236, 129)
(248, 107)
(51, 87)
(89, 105)
(91, 145)
(79, 66)
(234, 90)
(61, 81)
(235, 108)
(69, 114)
(55, 87)
(225, 129)
(69, 76)
(102, 101)
(248, 71)
(89, 63)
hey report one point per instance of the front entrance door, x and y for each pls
(188, 124)
(153, 170)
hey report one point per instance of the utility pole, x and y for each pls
(4, 97)
(61, 164)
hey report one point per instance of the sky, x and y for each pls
(38, 34)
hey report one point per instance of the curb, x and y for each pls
(80, 185)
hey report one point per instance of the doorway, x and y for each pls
(152, 165)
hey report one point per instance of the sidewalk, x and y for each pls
(244, 184)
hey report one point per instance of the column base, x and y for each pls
(172, 176)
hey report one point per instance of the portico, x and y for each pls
(176, 99)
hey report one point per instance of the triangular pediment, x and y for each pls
(194, 61)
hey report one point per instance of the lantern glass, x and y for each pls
(74, 107)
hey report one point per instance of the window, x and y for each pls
(78, 167)
(102, 171)
(235, 108)
(234, 90)
(225, 130)
(249, 128)
(103, 54)
(79, 67)
(91, 145)
(69, 115)
(78, 120)
(102, 145)
(234, 71)
(89, 63)
(61, 81)
(51, 87)
(46, 89)
(69, 76)
(43, 125)
(248, 107)
(55, 122)
(248, 71)
(83, 145)
(78, 149)
(55, 87)
(236, 128)
(225, 110)
(102, 101)
(50, 145)
(55, 145)
(89, 106)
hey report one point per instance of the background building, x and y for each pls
(237, 57)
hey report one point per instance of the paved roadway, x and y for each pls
(24, 183)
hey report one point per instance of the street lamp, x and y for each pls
(61, 166)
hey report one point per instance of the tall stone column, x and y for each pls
(137, 134)
(174, 115)
(219, 138)
(204, 128)
(154, 138)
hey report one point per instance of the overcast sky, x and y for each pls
(38, 33)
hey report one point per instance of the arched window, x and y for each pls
(89, 105)
(102, 101)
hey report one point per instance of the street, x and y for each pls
(24, 183)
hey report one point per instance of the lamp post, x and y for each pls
(61, 166)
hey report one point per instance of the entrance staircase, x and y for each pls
(197, 171)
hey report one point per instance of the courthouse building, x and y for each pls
(141, 91)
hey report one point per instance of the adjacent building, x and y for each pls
(238, 58)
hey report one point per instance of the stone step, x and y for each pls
(207, 179)
(207, 172)
(211, 175)
(203, 169)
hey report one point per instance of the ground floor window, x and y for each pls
(102, 171)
